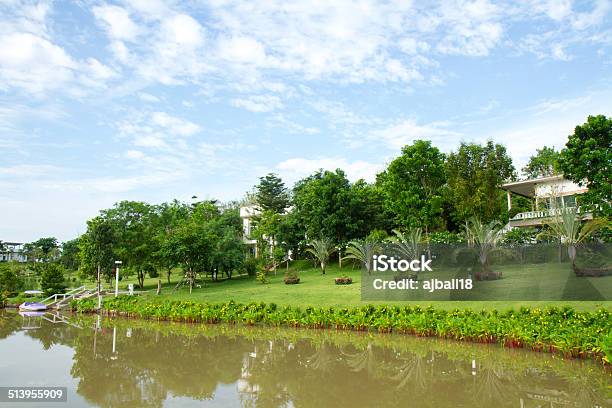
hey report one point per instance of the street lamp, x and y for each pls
(117, 263)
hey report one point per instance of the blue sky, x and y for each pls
(150, 100)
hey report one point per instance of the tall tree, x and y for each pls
(70, 254)
(271, 194)
(412, 186)
(474, 176)
(96, 254)
(43, 249)
(543, 164)
(587, 160)
(327, 205)
(134, 230)
(167, 218)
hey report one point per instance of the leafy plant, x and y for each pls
(568, 227)
(262, 277)
(363, 252)
(321, 249)
(52, 280)
(484, 237)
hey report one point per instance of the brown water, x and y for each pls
(132, 363)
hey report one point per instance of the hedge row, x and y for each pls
(558, 330)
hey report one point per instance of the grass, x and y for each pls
(315, 289)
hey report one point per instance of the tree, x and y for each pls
(43, 249)
(228, 249)
(321, 249)
(70, 255)
(412, 186)
(474, 176)
(568, 227)
(587, 160)
(271, 194)
(132, 223)
(167, 218)
(10, 280)
(543, 164)
(52, 280)
(326, 204)
(96, 253)
(267, 226)
(485, 237)
(362, 251)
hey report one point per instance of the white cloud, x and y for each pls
(258, 103)
(147, 97)
(406, 131)
(33, 63)
(116, 20)
(174, 125)
(242, 50)
(297, 168)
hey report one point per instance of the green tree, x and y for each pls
(69, 257)
(10, 280)
(267, 226)
(568, 228)
(326, 204)
(587, 160)
(132, 223)
(43, 249)
(363, 252)
(412, 186)
(543, 164)
(96, 253)
(474, 176)
(485, 237)
(52, 280)
(271, 194)
(321, 249)
(167, 219)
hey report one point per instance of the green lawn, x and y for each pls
(316, 289)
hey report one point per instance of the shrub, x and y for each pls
(560, 330)
(444, 237)
(291, 278)
(10, 281)
(343, 280)
(52, 281)
(250, 266)
(520, 236)
(262, 277)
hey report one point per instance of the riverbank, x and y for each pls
(572, 333)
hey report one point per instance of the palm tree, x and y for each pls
(408, 244)
(362, 251)
(567, 226)
(321, 249)
(485, 238)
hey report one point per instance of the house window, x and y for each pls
(569, 201)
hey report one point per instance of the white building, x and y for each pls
(547, 194)
(248, 214)
(12, 251)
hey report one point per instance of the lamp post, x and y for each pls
(117, 263)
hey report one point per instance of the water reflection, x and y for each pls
(136, 363)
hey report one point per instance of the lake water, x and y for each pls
(132, 363)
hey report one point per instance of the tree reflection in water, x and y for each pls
(272, 367)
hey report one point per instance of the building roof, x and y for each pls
(526, 188)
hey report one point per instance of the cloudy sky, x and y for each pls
(151, 100)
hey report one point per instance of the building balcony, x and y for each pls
(537, 218)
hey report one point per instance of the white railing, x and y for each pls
(63, 296)
(542, 213)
